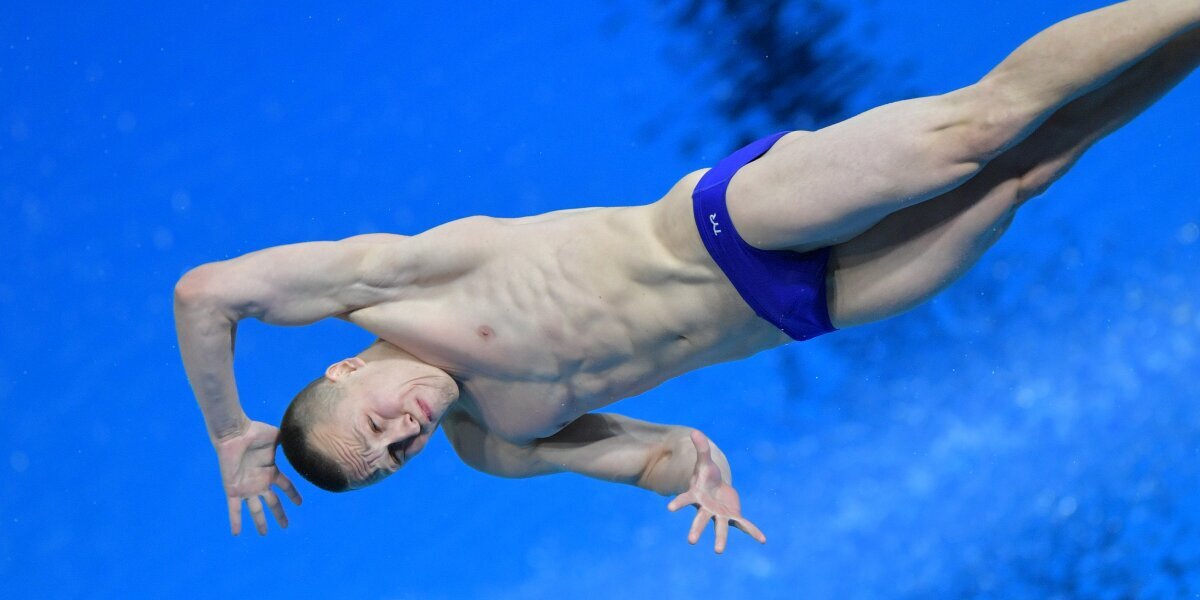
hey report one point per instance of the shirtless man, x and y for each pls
(508, 333)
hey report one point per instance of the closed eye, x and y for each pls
(374, 426)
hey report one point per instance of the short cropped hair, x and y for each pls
(312, 405)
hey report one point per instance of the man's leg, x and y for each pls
(916, 252)
(825, 187)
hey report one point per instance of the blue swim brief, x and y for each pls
(785, 288)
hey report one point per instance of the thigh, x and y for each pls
(815, 189)
(913, 254)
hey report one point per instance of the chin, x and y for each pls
(441, 402)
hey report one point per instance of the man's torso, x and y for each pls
(545, 318)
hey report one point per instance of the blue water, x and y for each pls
(1034, 432)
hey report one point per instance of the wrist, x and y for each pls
(722, 463)
(670, 464)
(234, 429)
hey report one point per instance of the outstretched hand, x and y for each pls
(713, 498)
(248, 471)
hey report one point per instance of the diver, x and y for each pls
(510, 333)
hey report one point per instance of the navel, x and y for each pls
(485, 332)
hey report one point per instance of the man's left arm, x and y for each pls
(667, 459)
(655, 457)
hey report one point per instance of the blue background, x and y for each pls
(1031, 433)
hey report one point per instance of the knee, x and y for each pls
(992, 120)
(1037, 180)
(1032, 184)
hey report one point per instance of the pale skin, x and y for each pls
(510, 333)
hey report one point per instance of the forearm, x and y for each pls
(1079, 54)
(669, 470)
(206, 335)
(611, 447)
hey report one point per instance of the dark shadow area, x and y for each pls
(768, 65)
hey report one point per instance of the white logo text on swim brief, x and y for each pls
(716, 226)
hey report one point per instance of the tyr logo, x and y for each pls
(716, 226)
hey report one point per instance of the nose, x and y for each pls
(401, 429)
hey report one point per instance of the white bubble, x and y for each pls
(764, 451)
(46, 166)
(647, 537)
(100, 432)
(163, 240)
(1133, 298)
(126, 122)
(1188, 234)
(19, 131)
(1026, 397)
(756, 565)
(1181, 314)
(1001, 270)
(1067, 506)
(19, 461)
(271, 110)
(920, 481)
(180, 200)
(1072, 257)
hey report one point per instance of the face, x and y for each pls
(390, 406)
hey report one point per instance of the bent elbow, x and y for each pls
(196, 287)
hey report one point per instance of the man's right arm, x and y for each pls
(287, 285)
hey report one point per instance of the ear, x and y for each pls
(342, 368)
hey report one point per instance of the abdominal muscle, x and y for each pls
(567, 312)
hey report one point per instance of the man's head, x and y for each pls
(365, 417)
